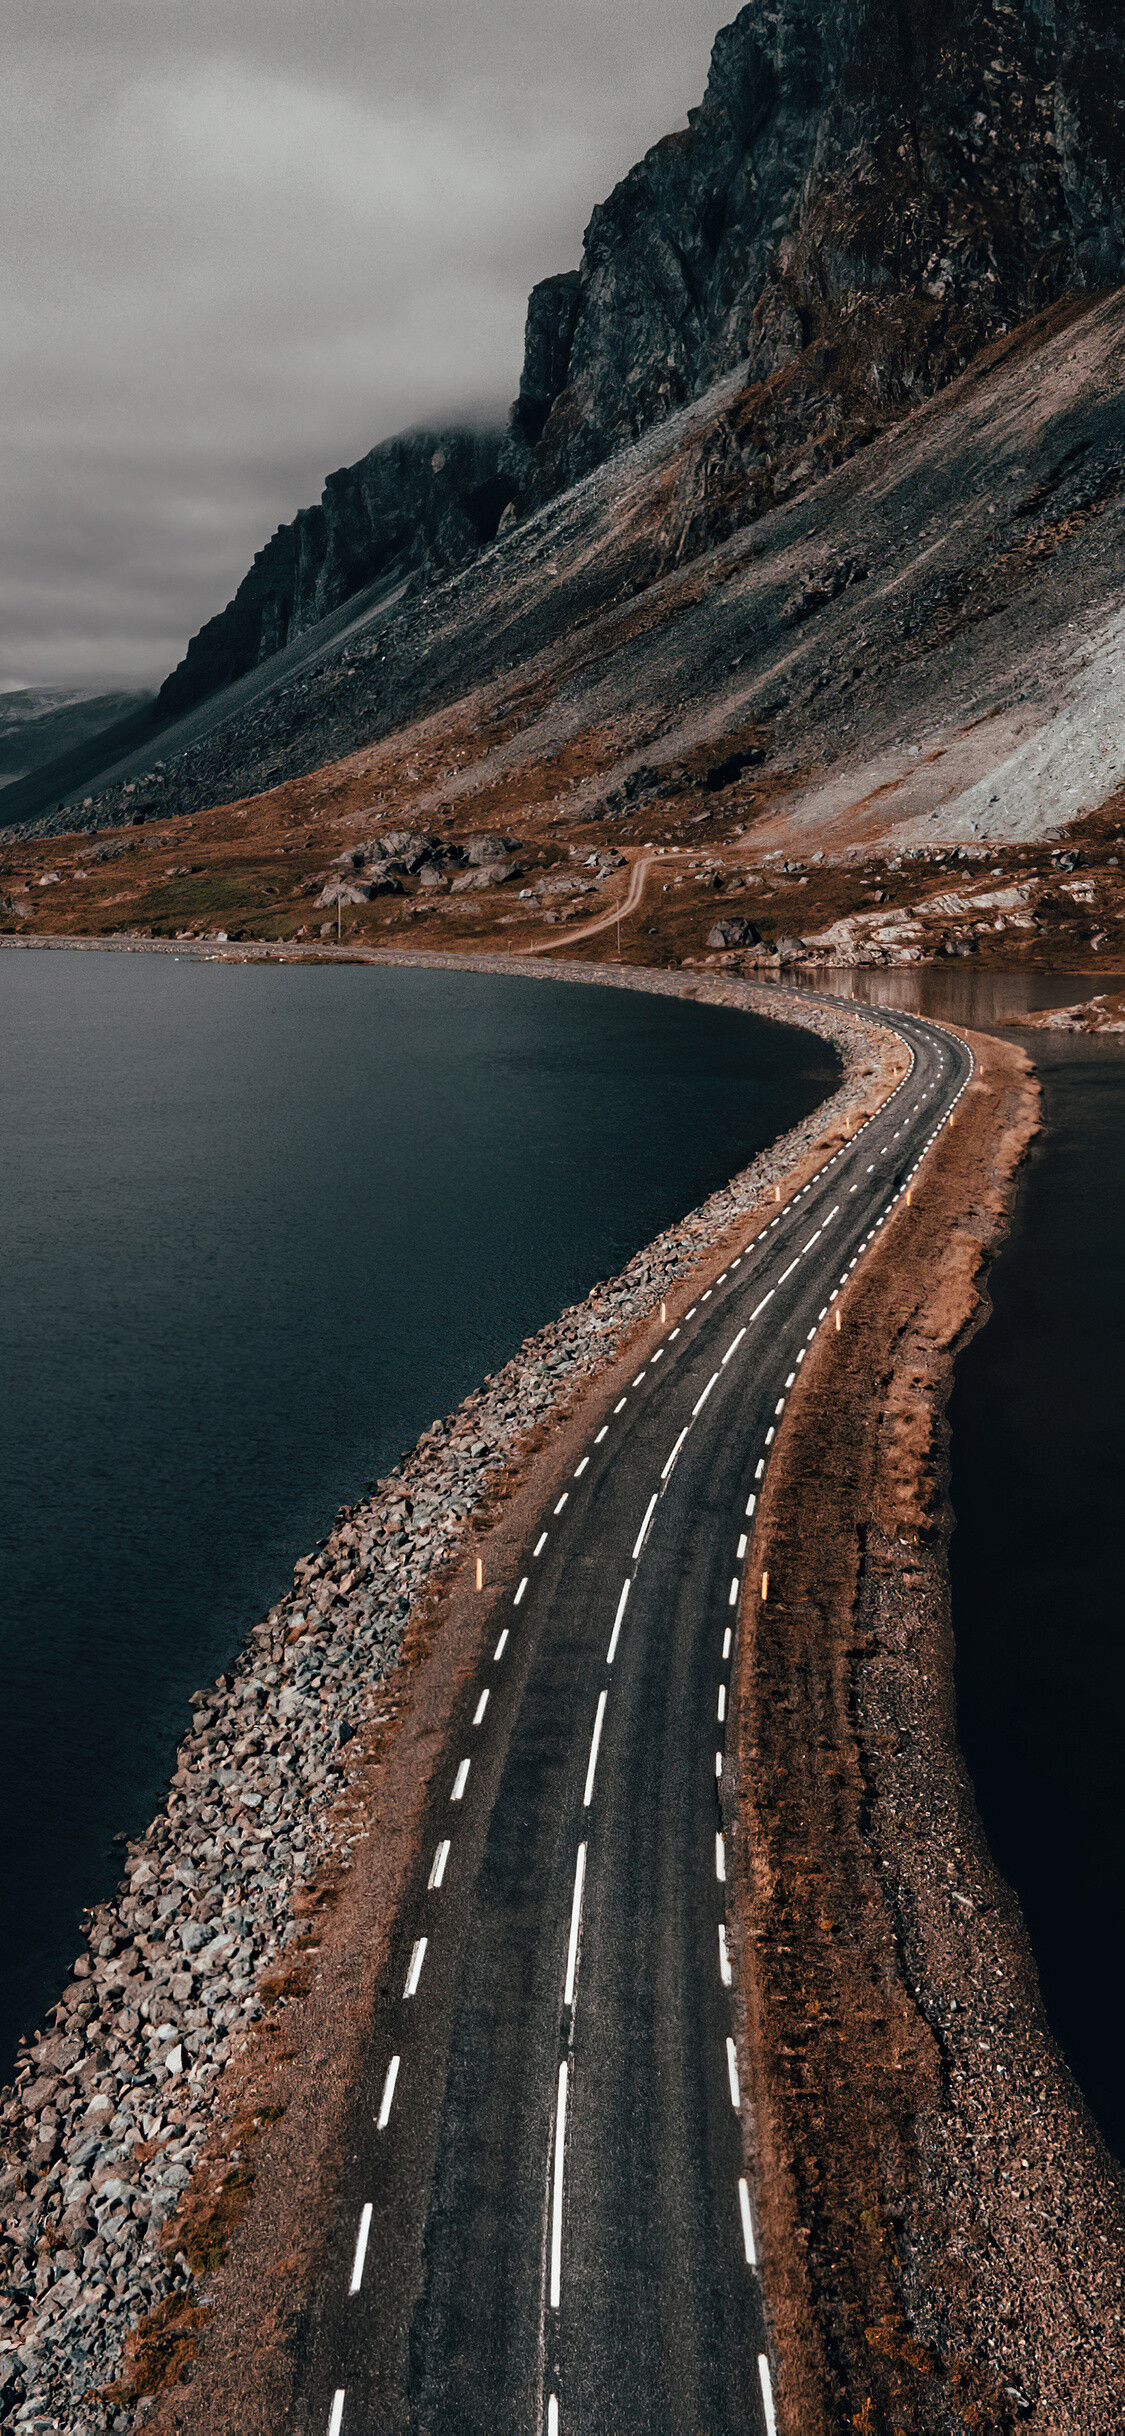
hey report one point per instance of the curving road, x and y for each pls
(545, 2223)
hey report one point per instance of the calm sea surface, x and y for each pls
(258, 1227)
(1038, 1553)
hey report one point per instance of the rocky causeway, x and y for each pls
(115, 2096)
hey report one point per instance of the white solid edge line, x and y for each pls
(414, 1974)
(557, 2191)
(732, 2076)
(481, 1706)
(588, 1795)
(673, 1455)
(336, 2414)
(500, 1648)
(766, 2383)
(575, 1917)
(520, 1592)
(732, 1349)
(388, 2093)
(720, 1859)
(553, 2416)
(640, 1538)
(611, 1652)
(724, 1957)
(460, 1781)
(441, 1856)
(360, 2247)
(748, 2241)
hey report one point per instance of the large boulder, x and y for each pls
(733, 931)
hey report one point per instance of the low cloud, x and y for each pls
(245, 246)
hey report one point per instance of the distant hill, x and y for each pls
(41, 722)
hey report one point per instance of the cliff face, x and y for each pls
(425, 496)
(887, 182)
(870, 190)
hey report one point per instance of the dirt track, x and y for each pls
(952, 2228)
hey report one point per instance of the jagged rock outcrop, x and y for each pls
(875, 187)
(870, 190)
(424, 497)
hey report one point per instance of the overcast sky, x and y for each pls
(245, 240)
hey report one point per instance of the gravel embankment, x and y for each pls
(115, 2095)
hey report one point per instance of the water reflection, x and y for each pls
(977, 999)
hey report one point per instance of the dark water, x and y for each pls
(1038, 1561)
(1038, 1553)
(258, 1226)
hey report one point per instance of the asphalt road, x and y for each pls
(545, 2222)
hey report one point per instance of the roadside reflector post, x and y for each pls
(777, 1191)
(837, 1323)
(909, 1195)
(480, 1573)
(663, 1313)
(765, 1588)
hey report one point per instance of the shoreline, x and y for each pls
(944, 2226)
(149, 2112)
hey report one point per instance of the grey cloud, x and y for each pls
(249, 238)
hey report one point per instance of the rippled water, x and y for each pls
(258, 1225)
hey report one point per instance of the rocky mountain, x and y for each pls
(871, 188)
(870, 194)
(425, 496)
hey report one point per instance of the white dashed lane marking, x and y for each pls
(388, 2093)
(437, 1872)
(361, 2247)
(598, 1721)
(639, 1542)
(575, 1920)
(415, 1972)
(557, 2190)
(611, 1652)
